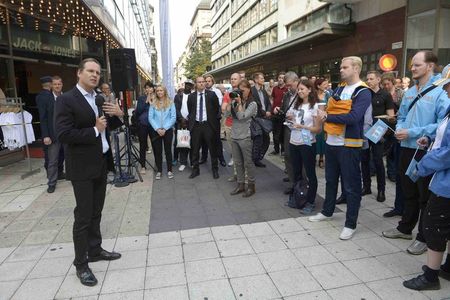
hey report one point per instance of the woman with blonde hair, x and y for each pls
(162, 116)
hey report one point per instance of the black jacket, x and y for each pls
(262, 113)
(74, 122)
(45, 102)
(213, 111)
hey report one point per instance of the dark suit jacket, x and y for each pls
(74, 122)
(262, 113)
(45, 102)
(213, 111)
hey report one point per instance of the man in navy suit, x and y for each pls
(45, 102)
(84, 128)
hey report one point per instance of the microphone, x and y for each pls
(99, 100)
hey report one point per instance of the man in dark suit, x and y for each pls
(261, 142)
(204, 117)
(45, 102)
(83, 127)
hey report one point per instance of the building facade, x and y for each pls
(41, 38)
(310, 37)
(200, 31)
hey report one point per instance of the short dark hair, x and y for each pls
(56, 77)
(257, 74)
(86, 60)
(149, 84)
(376, 73)
(429, 56)
(281, 73)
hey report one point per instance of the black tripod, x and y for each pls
(129, 151)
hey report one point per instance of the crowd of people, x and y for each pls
(309, 120)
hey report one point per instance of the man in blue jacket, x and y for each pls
(436, 222)
(345, 128)
(417, 119)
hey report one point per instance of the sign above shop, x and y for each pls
(37, 46)
(387, 62)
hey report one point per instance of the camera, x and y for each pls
(235, 94)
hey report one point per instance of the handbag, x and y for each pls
(183, 138)
(265, 124)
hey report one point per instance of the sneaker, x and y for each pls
(143, 170)
(417, 248)
(395, 234)
(158, 176)
(420, 283)
(181, 168)
(347, 233)
(170, 175)
(308, 209)
(231, 163)
(318, 218)
(149, 151)
(391, 213)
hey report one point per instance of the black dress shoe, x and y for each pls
(86, 276)
(366, 191)
(288, 191)
(341, 200)
(391, 213)
(51, 189)
(259, 164)
(223, 163)
(381, 197)
(104, 255)
(286, 179)
(274, 153)
(392, 178)
(61, 176)
(194, 174)
(215, 174)
(420, 283)
(202, 161)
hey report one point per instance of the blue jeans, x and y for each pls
(343, 161)
(304, 156)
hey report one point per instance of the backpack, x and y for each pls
(298, 197)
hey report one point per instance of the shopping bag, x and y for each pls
(183, 138)
(377, 131)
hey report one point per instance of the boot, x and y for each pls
(239, 189)
(250, 190)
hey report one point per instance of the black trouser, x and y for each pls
(143, 133)
(175, 149)
(260, 145)
(415, 194)
(277, 134)
(304, 156)
(157, 144)
(219, 149)
(202, 133)
(90, 197)
(436, 223)
(376, 152)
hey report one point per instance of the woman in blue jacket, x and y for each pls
(162, 116)
(436, 222)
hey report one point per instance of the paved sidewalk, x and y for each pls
(283, 258)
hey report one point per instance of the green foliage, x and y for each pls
(199, 59)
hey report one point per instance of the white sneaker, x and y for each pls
(318, 218)
(231, 163)
(170, 175)
(149, 151)
(347, 233)
(143, 170)
(158, 176)
(181, 168)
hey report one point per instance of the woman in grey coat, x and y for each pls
(242, 108)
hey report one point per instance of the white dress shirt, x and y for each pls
(197, 116)
(218, 94)
(184, 106)
(90, 98)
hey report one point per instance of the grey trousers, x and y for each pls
(287, 158)
(52, 169)
(242, 157)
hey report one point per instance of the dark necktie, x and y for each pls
(200, 117)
